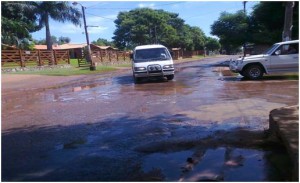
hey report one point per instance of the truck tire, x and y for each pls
(253, 72)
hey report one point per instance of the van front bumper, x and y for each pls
(153, 74)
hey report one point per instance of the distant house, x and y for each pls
(176, 53)
(106, 48)
(76, 50)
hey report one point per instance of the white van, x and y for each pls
(152, 61)
(282, 57)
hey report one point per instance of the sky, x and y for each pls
(103, 13)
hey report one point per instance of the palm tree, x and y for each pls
(57, 10)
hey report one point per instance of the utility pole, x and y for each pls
(244, 46)
(88, 58)
(288, 21)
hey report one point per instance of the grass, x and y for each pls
(69, 71)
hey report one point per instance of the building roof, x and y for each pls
(70, 46)
(104, 47)
(61, 47)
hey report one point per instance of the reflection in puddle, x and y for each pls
(221, 164)
(169, 163)
(87, 87)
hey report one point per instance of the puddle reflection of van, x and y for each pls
(152, 61)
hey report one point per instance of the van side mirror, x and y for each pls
(278, 52)
(131, 55)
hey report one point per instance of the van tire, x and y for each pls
(136, 80)
(170, 77)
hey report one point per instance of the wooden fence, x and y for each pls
(25, 58)
(110, 56)
(177, 54)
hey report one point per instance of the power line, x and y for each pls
(94, 5)
(133, 8)
(100, 16)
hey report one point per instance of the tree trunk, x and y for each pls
(48, 35)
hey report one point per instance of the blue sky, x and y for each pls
(103, 13)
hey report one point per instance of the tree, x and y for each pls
(267, 21)
(148, 26)
(17, 24)
(212, 44)
(63, 40)
(60, 40)
(198, 38)
(103, 42)
(57, 10)
(231, 29)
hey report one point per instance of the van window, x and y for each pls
(152, 54)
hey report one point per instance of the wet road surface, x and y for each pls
(206, 125)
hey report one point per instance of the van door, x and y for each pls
(285, 58)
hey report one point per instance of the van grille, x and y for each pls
(154, 69)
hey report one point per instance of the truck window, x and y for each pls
(288, 49)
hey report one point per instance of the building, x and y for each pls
(76, 50)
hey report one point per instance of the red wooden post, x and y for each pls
(22, 64)
(55, 59)
(68, 56)
(39, 58)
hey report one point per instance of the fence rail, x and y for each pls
(25, 58)
(177, 54)
(103, 55)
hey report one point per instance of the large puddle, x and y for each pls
(220, 164)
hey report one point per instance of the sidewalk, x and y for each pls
(284, 122)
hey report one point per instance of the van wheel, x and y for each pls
(170, 77)
(253, 72)
(136, 80)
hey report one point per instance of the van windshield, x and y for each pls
(151, 54)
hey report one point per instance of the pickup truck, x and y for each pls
(282, 57)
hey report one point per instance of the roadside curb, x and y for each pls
(284, 123)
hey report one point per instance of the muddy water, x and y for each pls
(206, 124)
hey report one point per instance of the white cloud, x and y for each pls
(72, 29)
(143, 5)
(67, 29)
(96, 30)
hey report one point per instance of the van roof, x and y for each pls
(149, 46)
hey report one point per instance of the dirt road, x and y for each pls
(206, 124)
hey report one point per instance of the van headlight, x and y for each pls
(171, 66)
(140, 68)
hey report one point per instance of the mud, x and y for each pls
(206, 125)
